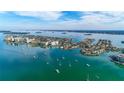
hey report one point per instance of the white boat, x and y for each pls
(88, 65)
(57, 70)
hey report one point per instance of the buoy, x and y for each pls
(57, 70)
(88, 65)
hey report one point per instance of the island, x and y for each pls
(86, 46)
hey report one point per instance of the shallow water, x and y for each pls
(34, 63)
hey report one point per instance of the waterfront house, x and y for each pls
(54, 43)
(10, 38)
(29, 40)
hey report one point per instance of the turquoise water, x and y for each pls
(53, 64)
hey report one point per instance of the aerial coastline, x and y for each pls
(86, 46)
(61, 46)
(89, 47)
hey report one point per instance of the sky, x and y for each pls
(62, 20)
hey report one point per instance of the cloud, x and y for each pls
(86, 20)
(94, 20)
(103, 17)
(2, 12)
(42, 15)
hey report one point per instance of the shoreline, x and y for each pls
(86, 46)
(113, 32)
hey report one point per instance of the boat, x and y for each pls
(119, 59)
(60, 64)
(122, 42)
(47, 63)
(57, 71)
(76, 60)
(88, 34)
(57, 59)
(63, 57)
(69, 65)
(88, 77)
(38, 32)
(88, 65)
(63, 33)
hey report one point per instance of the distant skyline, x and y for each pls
(62, 20)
